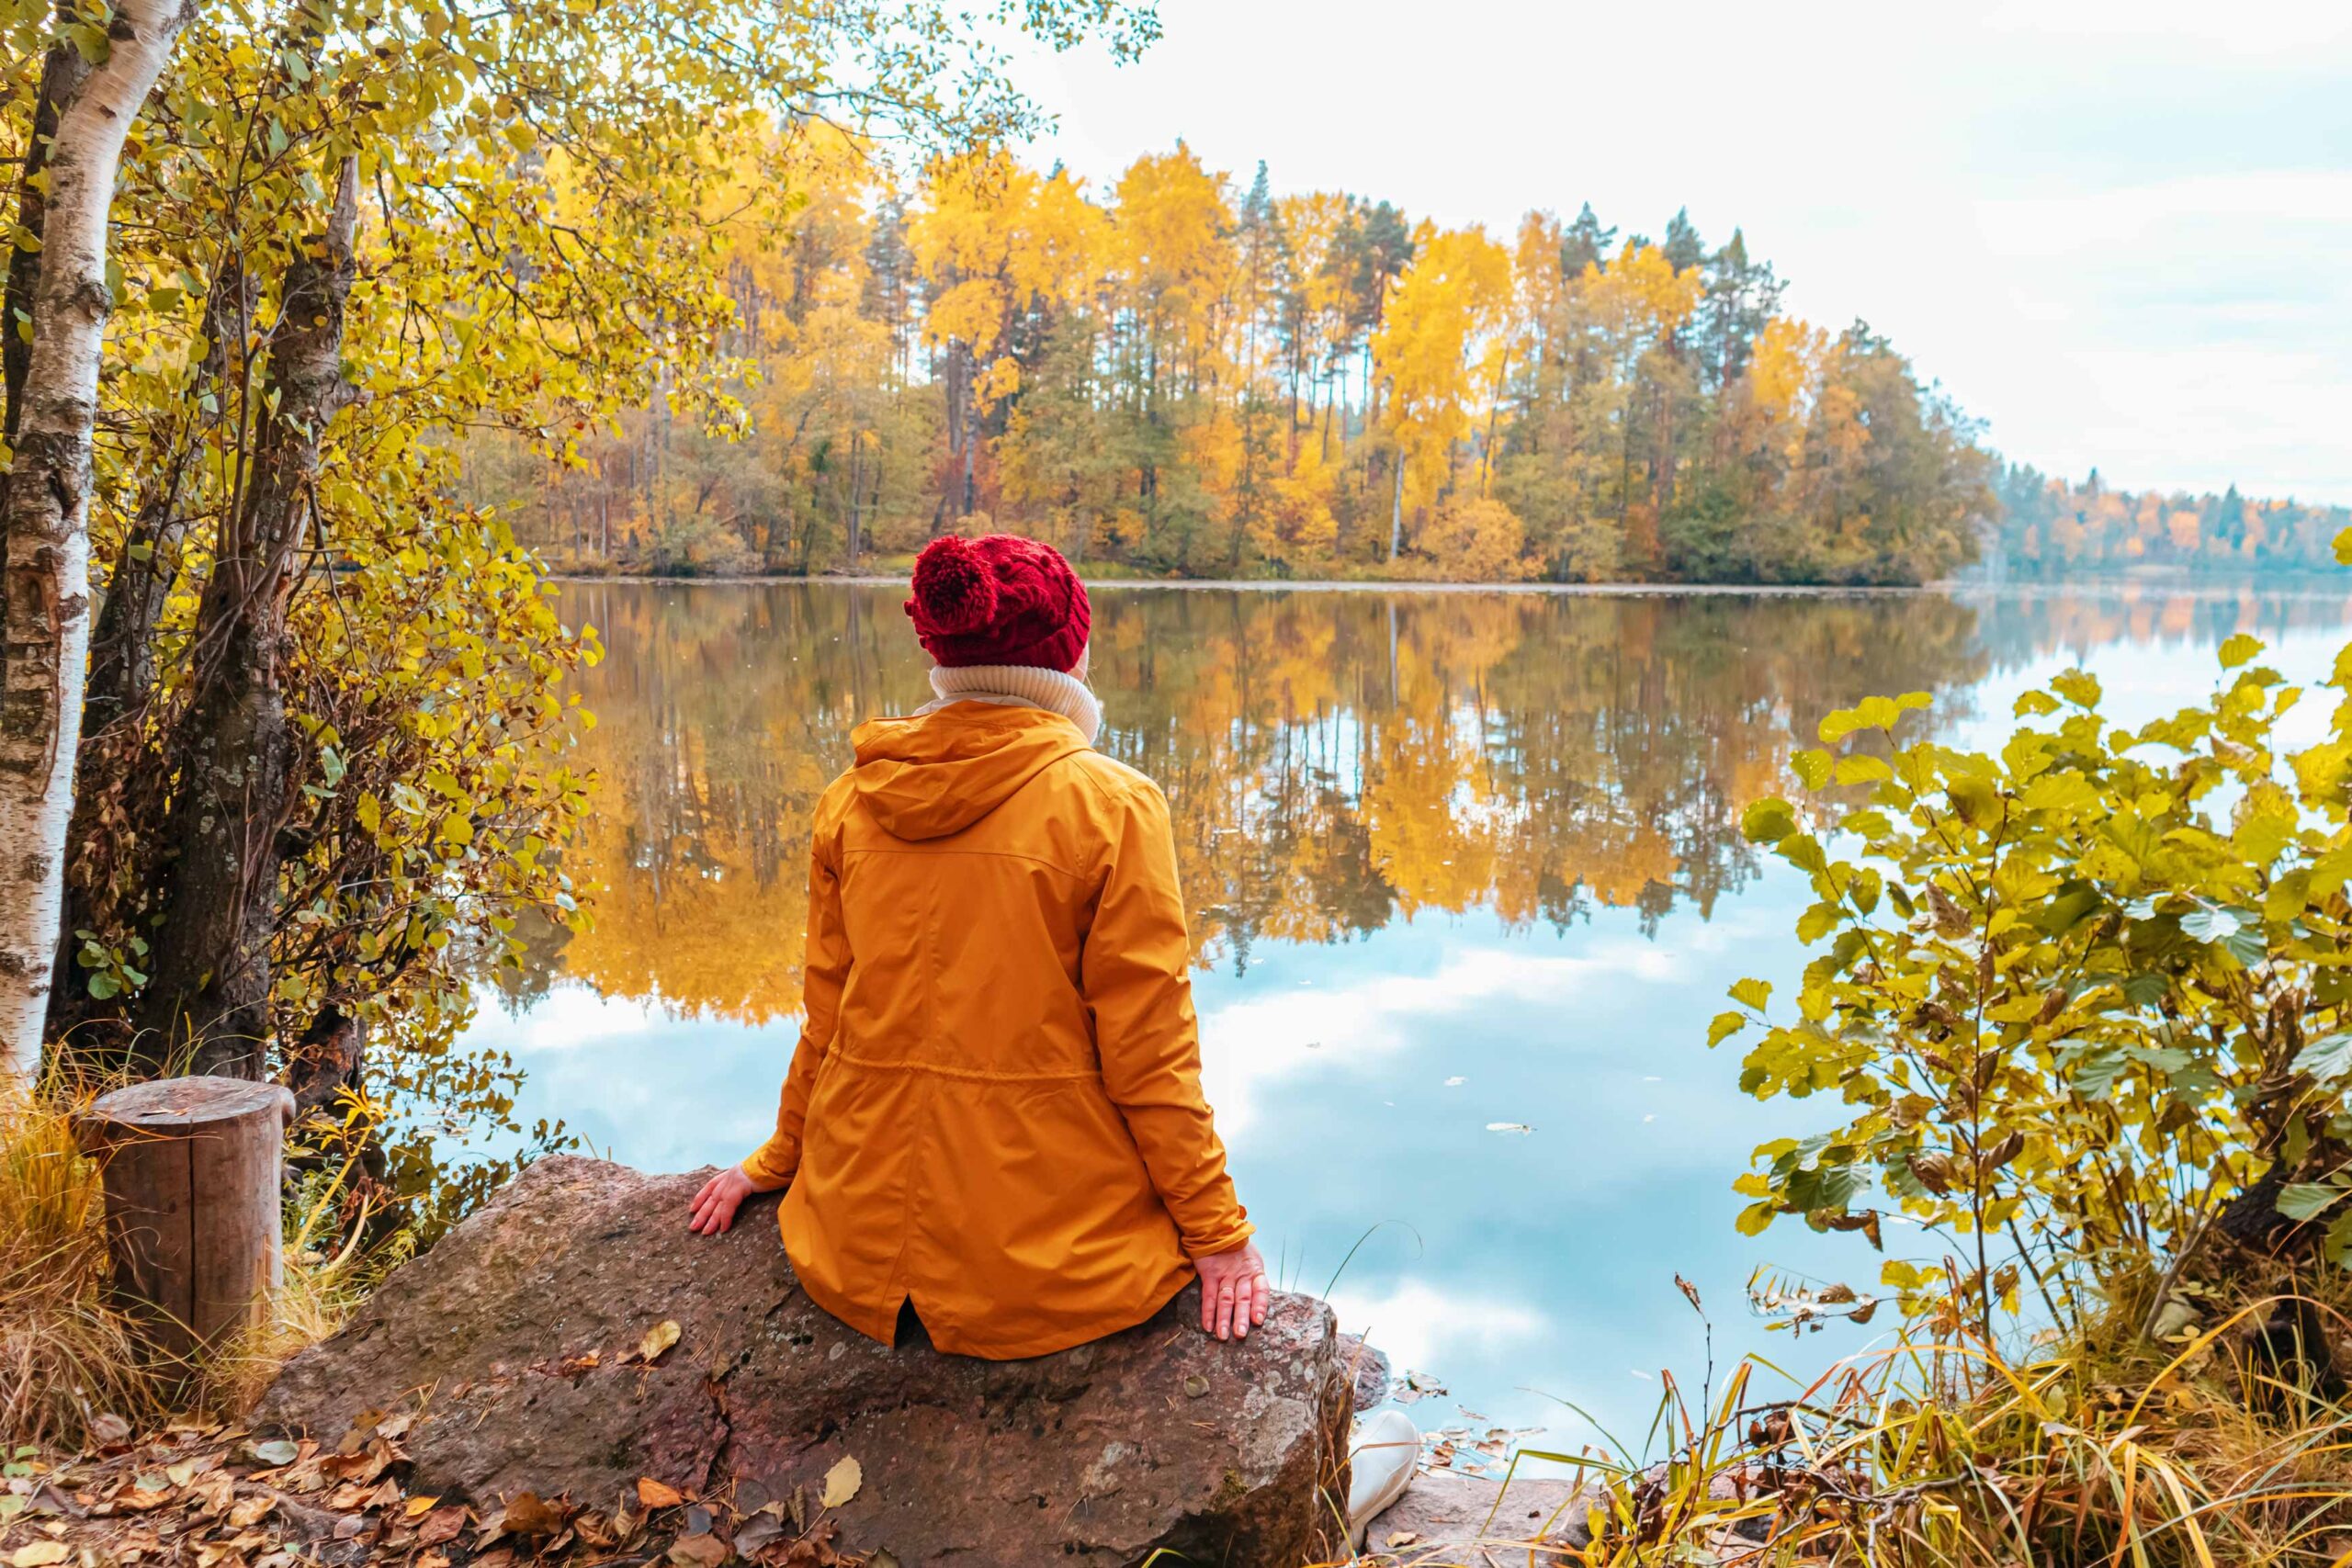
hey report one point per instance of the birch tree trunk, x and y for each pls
(209, 990)
(45, 592)
(1396, 507)
(63, 71)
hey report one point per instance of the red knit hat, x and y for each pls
(999, 599)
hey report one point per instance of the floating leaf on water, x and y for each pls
(1416, 1385)
(658, 1339)
(842, 1482)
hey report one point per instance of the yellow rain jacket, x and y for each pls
(995, 1106)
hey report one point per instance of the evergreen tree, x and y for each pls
(1585, 245)
(1683, 247)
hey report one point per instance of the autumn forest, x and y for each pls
(1193, 375)
(1188, 374)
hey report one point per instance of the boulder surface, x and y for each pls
(1447, 1519)
(519, 1345)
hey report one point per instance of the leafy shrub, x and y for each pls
(2083, 1001)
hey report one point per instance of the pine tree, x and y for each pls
(1585, 243)
(1683, 247)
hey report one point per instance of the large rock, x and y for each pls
(1158, 1439)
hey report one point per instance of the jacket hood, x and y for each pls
(938, 773)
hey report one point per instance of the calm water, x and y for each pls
(1459, 862)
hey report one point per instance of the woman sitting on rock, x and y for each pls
(993, 1118)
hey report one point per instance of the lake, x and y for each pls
(1468, 884)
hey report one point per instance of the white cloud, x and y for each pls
(1249, 1044)
(570, 1015)
(2114, 228)
(1420, 1327)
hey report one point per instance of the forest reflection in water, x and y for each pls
(1460, 863)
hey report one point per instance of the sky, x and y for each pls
(2118, 232)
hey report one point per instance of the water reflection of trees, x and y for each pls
(2024, 626)
(1335, 760)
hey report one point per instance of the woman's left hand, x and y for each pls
(1234, 1293)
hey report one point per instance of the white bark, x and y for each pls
(1396, 507)
(45, 596)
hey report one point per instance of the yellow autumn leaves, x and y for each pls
(1190, 373)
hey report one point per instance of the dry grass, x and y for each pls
(2230, 1447)
(65, 1357)
(2107, 1451)
(326, 1279)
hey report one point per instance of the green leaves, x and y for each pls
(2092, 950)
(2328, 1058)
(2307, 1199)
(1768, 821)
(2078, 687)
(2239, 649)
(1871, 712)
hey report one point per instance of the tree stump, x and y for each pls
(192, 1169)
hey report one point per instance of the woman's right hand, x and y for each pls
(714, 1205)
(1234, 1292)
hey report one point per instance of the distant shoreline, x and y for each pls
(1278, 585)
(2314, 584)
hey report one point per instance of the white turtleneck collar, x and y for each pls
(1019, 685)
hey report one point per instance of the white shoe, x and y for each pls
(1381, 1463)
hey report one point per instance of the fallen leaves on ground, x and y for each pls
(212, 1497)
(842, 1482)
(528, 1514)
(657, 1341)
(440, 1525)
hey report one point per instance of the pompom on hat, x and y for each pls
(999, 599)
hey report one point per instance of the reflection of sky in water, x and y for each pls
(1513, 1267)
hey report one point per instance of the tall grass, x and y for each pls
(329, 1270)
(2222, 1450)
(67, 1356)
